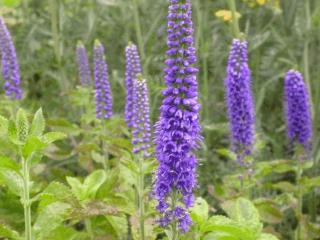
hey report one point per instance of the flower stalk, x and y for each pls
(235, 19)
(26, 198)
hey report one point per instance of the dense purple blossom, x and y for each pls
(178, 129)
(102, 86)
(133, 68)
(297, 106)
(83, 65)
(141, 117)
(239, 100)
(9, 62)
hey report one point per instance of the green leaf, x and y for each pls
(117, 226)
(93, 182)
(225, 225)
(22, 124)
(219, 236)
(33, 145)
(200, 210)
(267, 236)
(244, 212)
(56, 192)
(10, 3)
(76, 187)
(4, 123)
(13, 133)
(269, 211)
(284, 186)
(13, 180)
(227, 153)
(309, 183)
(50, 218)
(65, 233)
(6, 232)
(38, 123)
(52, 137)
(6, 162)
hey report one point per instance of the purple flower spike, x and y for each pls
(133, 68)
(10, 66)
(141, 117)
(239, 100)
(83, 65)
(102, 86)
(297, 106)
(178, 129)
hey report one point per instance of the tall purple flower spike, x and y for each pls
(298, 109)
(10, 66)
(141, 117)
(178, 129)
(102, 86)
(83, 65)
(133, 68)
(239, 100)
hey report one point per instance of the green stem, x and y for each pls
(55, 29)
(137, 23)
(300, 198)
(141, 197)
(103, 147)
(26, 199)
(235, 20)
(306, 65)
(89, 229)
(25, 9)
(306, 51)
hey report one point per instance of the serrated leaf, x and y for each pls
(93, 182)
(32, 145)
(76, 187)
(266, 236)
(22, 124)
(219, 236)
(13, 133)
(6, 162)
(243, 211)
(65, 233)
(117, 226)
(6, 232)
(55, 192)
(3, 125)
(199, 212)
(50, 218)
(11, 3)
(225, 225)
(13, 180)
(52, 137)
(38, 123)
(269, 211)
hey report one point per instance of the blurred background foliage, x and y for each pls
(281, 34)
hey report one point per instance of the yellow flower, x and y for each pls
(226, 15)
(261, 2)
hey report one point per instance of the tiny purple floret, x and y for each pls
(102, 86)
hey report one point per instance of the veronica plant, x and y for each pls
(102, 85)
(83, 65)
(29, 141)
(10, 66)
(239, 100)
(299, 127)
(178, 129)
(141, 140)
(133, 68)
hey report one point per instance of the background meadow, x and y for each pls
(85, 185)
